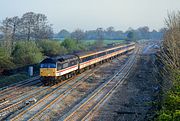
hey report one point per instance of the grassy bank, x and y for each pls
(7, 80)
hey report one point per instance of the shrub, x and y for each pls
(51, 48)
(70, 45)
(26, 53)
(5, 59)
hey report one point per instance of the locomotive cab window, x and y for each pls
(48, 65)
(59, 66)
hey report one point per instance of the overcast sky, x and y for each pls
(91, 14)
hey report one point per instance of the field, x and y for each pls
(91, 42)
(106, 42)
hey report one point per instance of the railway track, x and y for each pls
(45, 102)
(61, 96)
(85, 108)
(7, 93)
(19, 103)
(19, 84)
(45, 105)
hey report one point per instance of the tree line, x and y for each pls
(111, 34)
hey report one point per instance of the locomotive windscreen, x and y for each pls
(48, 63)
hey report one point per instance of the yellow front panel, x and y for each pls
(48, 72)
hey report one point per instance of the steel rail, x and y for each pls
(56, 90)
(77, 112)
(16, 87)
(86, 117)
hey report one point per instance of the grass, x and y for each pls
(7, 80)
(105, 41)
(92, 41)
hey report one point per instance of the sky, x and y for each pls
(91, 14)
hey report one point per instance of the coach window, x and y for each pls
(84, 59)
(104, 53)
(88, 58)
(73, 62)
(111, 51)
(91, 57)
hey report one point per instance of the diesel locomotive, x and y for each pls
(55, 69)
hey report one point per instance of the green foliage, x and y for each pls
(4, 81)
(172, 100)
(177, 115)
(51, 48)
(70, 44)
(5, 59)
(171, 103)
(164, 117)
(131, 36)
(26, 52)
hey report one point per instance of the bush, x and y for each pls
(70, 45)
(164, 117)
(171, 107)
(26, 53)
(5, 60)
(51, 48)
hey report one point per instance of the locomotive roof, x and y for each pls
(62, 58)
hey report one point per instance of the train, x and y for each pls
(55, 69)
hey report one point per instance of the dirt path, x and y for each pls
(133, 100)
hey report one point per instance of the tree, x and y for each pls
(35, 26)
(110, 29)
(144, 32)
(78, 35)
(5, 59)
(26, 52)
(1, 36)
(42, 30)
(63, 34)
(171, 43)
(131, 36)
(100, 36)
(70, 44)
(30, 26)
(110, 33)
(28, 22)
(6, 29)
(14, 23)
(51, 48)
